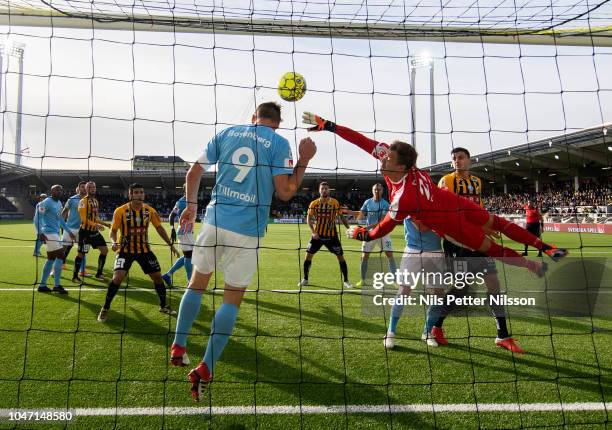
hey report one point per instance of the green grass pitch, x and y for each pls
(287, 350)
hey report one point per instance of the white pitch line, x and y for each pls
(331, 409)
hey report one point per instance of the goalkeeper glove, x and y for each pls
(358, 233)
(173, 235)
(318, 122)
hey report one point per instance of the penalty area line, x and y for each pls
(332, 409)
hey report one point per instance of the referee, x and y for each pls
(535, 222)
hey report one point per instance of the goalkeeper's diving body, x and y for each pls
(413, 194)
(253, 163)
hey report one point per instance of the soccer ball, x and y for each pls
(292, 87)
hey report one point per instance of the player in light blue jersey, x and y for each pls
(423, 253)
(374, 210)
(185, 238)
(38, 243)
(252, 163)
(73, 220)
(47, 221)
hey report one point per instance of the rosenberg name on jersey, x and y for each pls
(250, 134)
(233, 194)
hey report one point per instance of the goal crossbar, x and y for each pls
(592, 36)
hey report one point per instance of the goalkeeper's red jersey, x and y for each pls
(418, 197)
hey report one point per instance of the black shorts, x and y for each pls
(331, 243)
(147, 261)
(465, 260)
(91, 238)
(534, 228)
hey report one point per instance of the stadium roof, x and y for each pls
(583, 153)
(154, 179)
(586, 153)
(159, 158)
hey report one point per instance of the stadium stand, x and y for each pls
(8, 210)
(559, 202)
(159, 163)
(559, 198)
(567, 176)
(6, 205)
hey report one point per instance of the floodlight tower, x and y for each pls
(8, 49)
(423, 61)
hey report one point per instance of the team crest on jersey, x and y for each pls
(381, 150)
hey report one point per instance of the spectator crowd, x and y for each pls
(559, 198)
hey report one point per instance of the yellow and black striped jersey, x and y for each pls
(326, 213)
(470, 188)
(88, 210)
(133, 226)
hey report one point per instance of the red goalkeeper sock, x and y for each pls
(509, 256)
(517, 233)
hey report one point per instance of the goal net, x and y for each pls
(124, 92)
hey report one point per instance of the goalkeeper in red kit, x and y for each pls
(413, 194)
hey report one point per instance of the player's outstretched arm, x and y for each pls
(377, 149)
(382, 229)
